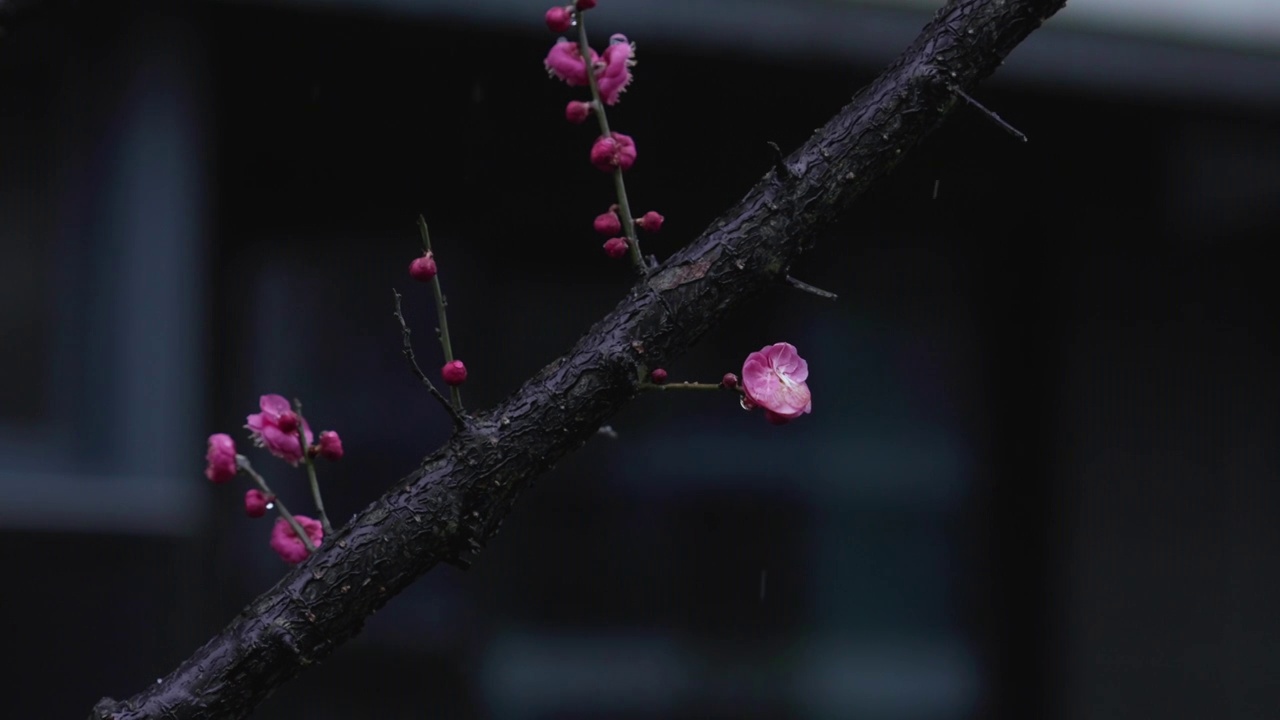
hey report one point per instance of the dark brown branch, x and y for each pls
(456, 500)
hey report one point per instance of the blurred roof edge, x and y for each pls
(1175, 49)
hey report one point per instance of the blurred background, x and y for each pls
(1039, 481)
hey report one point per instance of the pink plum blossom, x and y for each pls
(268, 429)
(615, 76)
(774, 378)
(613, 151)
(565, 62)
(286, 542)
(220, 458)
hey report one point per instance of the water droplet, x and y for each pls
(271, 506)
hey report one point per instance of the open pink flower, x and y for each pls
(774, 379)
(615, 76)
(565, 62)
(220, 458)
(286, 542)
(276, 429)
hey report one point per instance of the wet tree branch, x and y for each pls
(456, 500)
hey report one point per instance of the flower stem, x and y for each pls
(443, 330)
(243, 463)
(619, 185)
(311, 469)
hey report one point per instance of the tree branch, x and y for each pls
(456, 500)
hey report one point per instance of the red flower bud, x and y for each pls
(454, 373)
(559, 19)
(608, 223)
(615, 151)
(577, 111)
(651, 222)
(658, 376)
(255, 503)
(586, 4)
(330, 445)
(424, 268)
(615, 247)
(729, 381)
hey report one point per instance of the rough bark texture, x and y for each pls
(460, 494)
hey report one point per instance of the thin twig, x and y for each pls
(806, 287)
(409, 357)
(990, 115)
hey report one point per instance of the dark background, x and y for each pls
(1039, 479)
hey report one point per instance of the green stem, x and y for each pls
(243, 463)
(619, 185)
(443, 330)
(311, 468)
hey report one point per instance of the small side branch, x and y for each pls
(806, 287)
(458, 421)
(779, 164)
(990, 115)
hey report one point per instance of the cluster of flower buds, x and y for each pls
(284, 433)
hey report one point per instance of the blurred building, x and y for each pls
(1041, 472)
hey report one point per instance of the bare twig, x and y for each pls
(407, 348)
(806, 287)
(990, 115)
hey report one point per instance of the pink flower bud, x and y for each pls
(608, 223)
(774, 379)
(615, 247)
(286, 542)
(330, 446)
(658, 376)
(424, 268)
(255, 503)
(454, 373)
(559, 19)
(615, 151)
(220, 458)
(586, 4)
(651, 222)
(729, 381)
(287, 422)
(577, 111)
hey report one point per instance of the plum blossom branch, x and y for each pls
(460, 493)
(619, 184)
